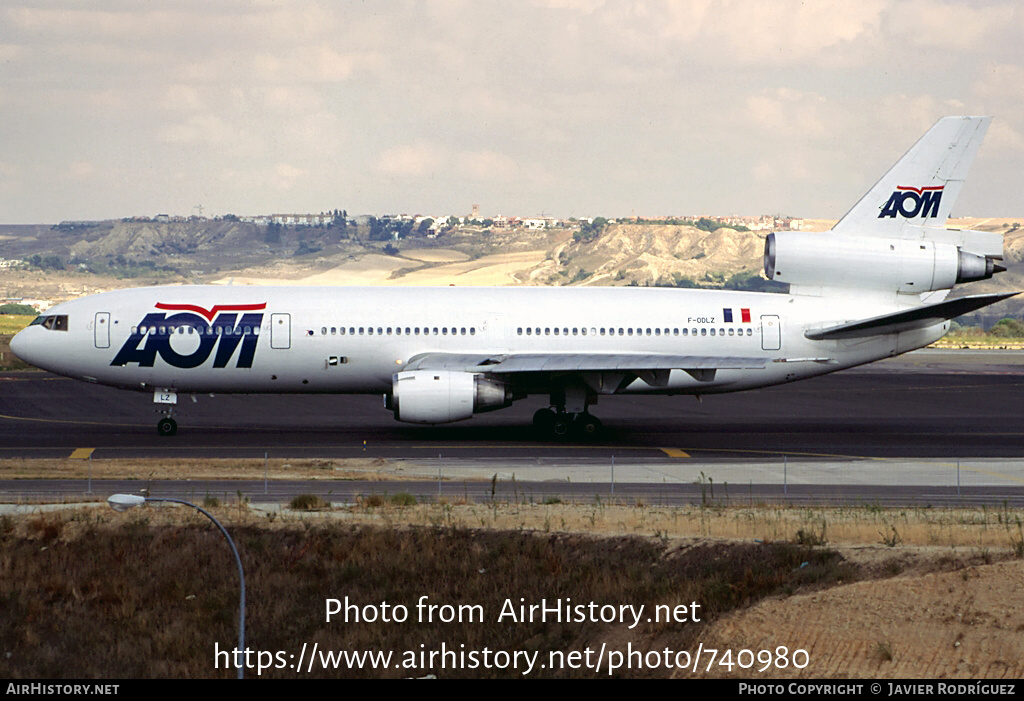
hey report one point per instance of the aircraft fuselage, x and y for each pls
(353, 340)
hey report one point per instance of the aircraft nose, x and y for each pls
(20, 346)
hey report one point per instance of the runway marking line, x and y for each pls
(31, 379)
(64, 421)
(1000, 475)
(81, 453)
(675, 452)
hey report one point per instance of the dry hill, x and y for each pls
(652, 254)
(112, 254)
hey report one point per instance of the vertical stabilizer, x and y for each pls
(919, 191)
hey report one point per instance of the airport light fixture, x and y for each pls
(123, 502)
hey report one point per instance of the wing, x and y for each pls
(604, 372)
(578, 362)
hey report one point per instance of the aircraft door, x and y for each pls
(496, 331)
(771, 333)
(101, 330)
(281, 331)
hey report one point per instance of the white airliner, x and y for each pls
(872, 287)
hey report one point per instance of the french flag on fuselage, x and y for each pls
(744, 315)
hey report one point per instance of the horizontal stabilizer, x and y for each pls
(579, 362)
(908, 320)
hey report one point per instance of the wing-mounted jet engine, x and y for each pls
(443, 396)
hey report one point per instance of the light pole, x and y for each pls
(123, 502)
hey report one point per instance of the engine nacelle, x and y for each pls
(908, 266)
(442, 396)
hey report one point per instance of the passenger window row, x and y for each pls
(528, 331)
(60, 323)
(593, 331)
(397, 331)
(202, 331)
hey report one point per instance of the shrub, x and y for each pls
(403, 499)
(308, 502)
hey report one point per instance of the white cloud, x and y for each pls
(182, 97)
(412, 160)
(286, 175)
(315, 133)
(1003, 137)
(584, 6)
(949, 27)
(10, 178)
(11, 52)
(486, 165)
(576, 106)
(790, 113)
(307, 64)
(80, 170)
(197, 129)
(999, 81)
(776, 32)
(286, 98)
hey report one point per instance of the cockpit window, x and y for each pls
(53, 322)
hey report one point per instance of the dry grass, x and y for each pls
(206, 468)
(957, 342)
(148, 593)
(995, 529)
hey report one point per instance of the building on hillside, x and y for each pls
(37, 304)
(296, 220)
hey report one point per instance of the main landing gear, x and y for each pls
(568, 415)
(558, 423)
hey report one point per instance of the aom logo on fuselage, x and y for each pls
(187, 338)
(913, 202)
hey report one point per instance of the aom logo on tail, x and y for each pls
(913, 202)
(188, 338)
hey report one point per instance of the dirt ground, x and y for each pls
(961, 624)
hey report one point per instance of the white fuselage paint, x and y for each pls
(313, 358)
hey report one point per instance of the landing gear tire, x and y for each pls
(561, 425)
(543, 419)
(167, 427)
(588, 426)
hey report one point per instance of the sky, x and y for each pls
(556, 107)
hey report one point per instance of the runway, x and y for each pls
(930, 428)
(911, 407)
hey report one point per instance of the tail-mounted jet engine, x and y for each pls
(908, 266)
(441, 396)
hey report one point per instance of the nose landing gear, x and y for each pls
(166, 426)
